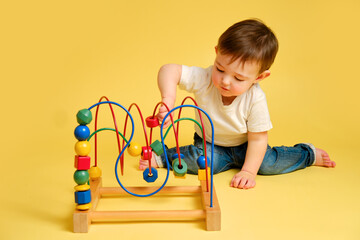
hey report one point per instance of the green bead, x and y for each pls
(179, 171)
(157, 147)
(81, 176)
(84, 116)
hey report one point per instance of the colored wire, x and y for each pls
(96, 118)
(145, 134)
(103, 129)
(162, 140)
(175, 132)
(204, 137)
(122, 136)
(117, 160)
(181, 119)
(212, 145)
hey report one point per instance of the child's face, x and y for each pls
(233, 79)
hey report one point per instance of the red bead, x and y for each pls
(146, 153)
(152, 122)
(82, 163)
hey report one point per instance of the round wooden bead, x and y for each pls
(150, 177)
(201, 162)
(152, 122)
(82, 132)
(83, 207)
(146, 153)
(134, 149)
(179, 171)
(94, 172)
(82, 148)
(84, 116)
(81, 177)
(82, 187)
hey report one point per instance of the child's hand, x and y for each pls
(243, 180)
(162, 113)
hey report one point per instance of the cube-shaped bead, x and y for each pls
(83, 197)
(157, 147)
(202, 174)
(82, 162)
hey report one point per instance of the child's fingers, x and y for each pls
(249, 184)
(235, 182)
(242, 183)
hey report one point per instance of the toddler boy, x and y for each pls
(229, 92)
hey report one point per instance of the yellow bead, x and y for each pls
(83, 206)
(202, 174)
(94, 172)
(134, 149)
(82, 148)
(83, 187)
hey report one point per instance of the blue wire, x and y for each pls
(162, 140)
(121, 153)
(212, 145)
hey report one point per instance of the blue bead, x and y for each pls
(175, 156)
(83, 197)
(201, 162)
(151, 178)
(82, 132)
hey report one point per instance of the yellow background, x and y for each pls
(57, 57)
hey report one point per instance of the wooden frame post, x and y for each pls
(212, 215)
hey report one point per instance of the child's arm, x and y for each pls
(256, 149)
(168, 79)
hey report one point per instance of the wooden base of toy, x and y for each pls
(211, 215)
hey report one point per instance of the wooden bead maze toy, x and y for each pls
(89, 189)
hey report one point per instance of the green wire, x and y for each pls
(167, 131)
(190, 119)
(102, 129)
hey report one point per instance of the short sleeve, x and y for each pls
(194, 79)
(258, 119)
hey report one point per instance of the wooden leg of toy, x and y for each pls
(81, 221)
(95, 186)
(213, 214)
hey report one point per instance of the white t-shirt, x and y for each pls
(248, 112)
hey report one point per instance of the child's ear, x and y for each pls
(216, 49)
(263, 75)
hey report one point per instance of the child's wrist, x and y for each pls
(249, 172)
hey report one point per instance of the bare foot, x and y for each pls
(144, 164)
(323, 159)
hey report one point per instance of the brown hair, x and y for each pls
(250, 40)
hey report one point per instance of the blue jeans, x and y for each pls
(277, 160)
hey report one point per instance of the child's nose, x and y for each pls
(226, 80)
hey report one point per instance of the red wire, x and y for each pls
(203, 131)
(96, 117)
(175, 132)
(145, 134)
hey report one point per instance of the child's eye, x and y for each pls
(219, 70)
(238, 79)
